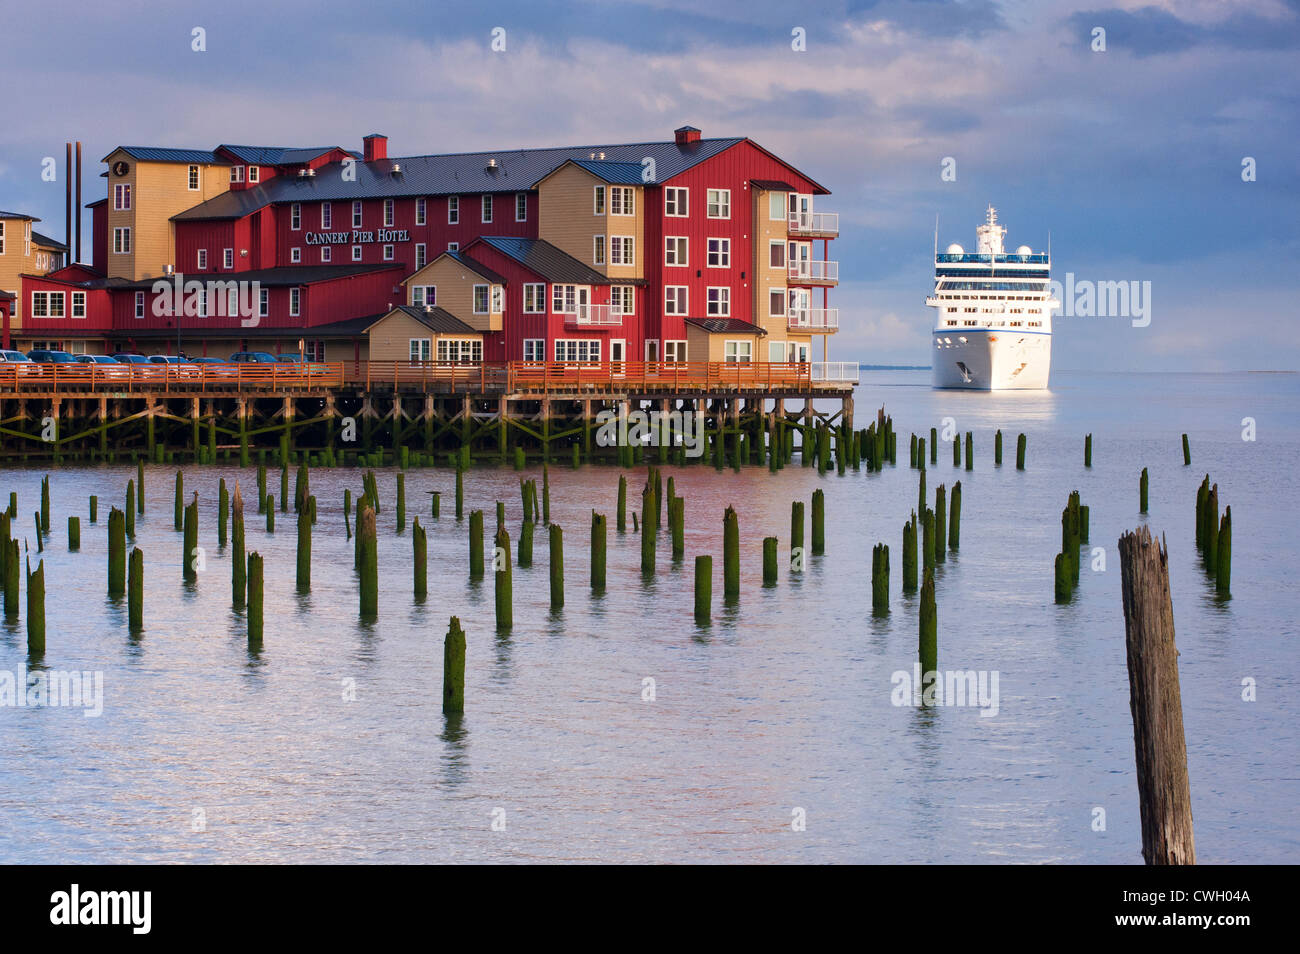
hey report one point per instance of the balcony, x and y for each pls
(814, 273)
(602, 316)
(815, 224)
(814, 319)
(841, 372)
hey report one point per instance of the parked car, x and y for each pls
(140, 366)
(130, 357)
(306, 367)
(256, 357)
(181, 367)
(45, 356)
(104, 366)
(215, 367)
(25, 364)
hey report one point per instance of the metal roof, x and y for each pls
(772, 185)
(159, 154)
(553, 264)
(276, 155)
(19, 215)
(273, 277)
(477, 267)
(347, 328)
(516, 170)
(716, 326)
(437, 319)
(618, 173)
(48, 242)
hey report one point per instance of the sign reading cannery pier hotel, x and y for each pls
(358, 237)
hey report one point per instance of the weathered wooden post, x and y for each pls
(12, 576)
(435, 505)
(420, 559)
(1223, 556)
(238, 564)
(135, 590)
(1087, 451)
(139, 486)
(178, 505)
(520, 461)
(284, 486)
(703, 588)
(401, 503)
(460, 493)
(818, 522)
(503, 588)
(934, 446)
(304, 546)
(35, 609)
(255, 592)
(129, 510)
(116, 552)
(730, 555)
(190, 538)
(940, 524)
(677, 520)
(954, 516)
(648, 530)
(557, 566)
(1064, 584)
(769, 561)
(880, 578)
(970, 451)
(929, 629)
(1187, 452)
(956, 451)
(526, 543)
(453, 669)
(1212, 531)
(598, 550)
(369, 565)
(270, 513)
(796, 528)
(476, 544)
(1202, 495)
(45, 508)
(223, 512)
(261, 487)
(620, 515)
(920, 501)
(1142, 492)
(546, 493)
(927, 540)
(909, 555)
(74, 534)
(997, 449)
(94, 508)
(1155, 701)
(1021, 441)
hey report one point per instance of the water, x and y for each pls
(782, 704)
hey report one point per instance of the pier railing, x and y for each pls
(541, 377)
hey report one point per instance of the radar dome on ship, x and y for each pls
(955, 249)
(1024, 250)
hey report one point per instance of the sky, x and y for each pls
(1130, 157)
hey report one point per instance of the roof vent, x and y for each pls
(602, 155)
(428, 309)
(397, 168)
(592, 156)
(301, 173)
(311, 173)
(492, 163)
(686, 134)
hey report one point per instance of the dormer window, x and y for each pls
(254, 173)
(236, 173)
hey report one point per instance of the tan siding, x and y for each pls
(455, 291)
(390, 337)
(765, 277)
(566, 200)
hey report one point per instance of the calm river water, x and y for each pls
(330, 745)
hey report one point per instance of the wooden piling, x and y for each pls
(178, 504)
(557, 566)
(36, 610)
(927, 541)
(12, 575)
(934, 445)
(284, 487)
(190, 544)
(648, 531)
(1223, 555)
(997, 449)
(956, 451)
(1021, 442)
(1142, 492)
(129, 509)
(796, 528)
(261, 488)
(598, 541)
(940, 524)
(139, 487)
(677, 522)
(238, 560)
(620, 514)
(1155, 702)
(401, 503)
(731, 554)
(1087, 451)
(954, 516)
(116, 552)
(476, 544)
(420, 559)
(1187, 452)
(769, 561)
(94, 508)
(909, 554)
(270, 513)
(135, 590)
(453, 669)
(880, 578)
(74, 534)
(45, 506)
(304, 546)
(703, 588)
(546, 494)
(818, 522)
(503, 589)
(223, 512)
(526, 543)
(1064, 585)
(1212, 531)
(460, 493)
(368, 568)
(929, 628)
(254, 613)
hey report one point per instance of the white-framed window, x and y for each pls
(534, 298)
(498, 299)
(313, 350)
(776, 302)
(122, 241)
(534, 349)
(622, 200)
(203, 303)
(718, 301)
(232, 302)
(598, 249)
(460, 349)
(236, 173)
(263, 302)
(421, 349)
(47, 304)
(521, 206)
(139, 304)
(356, 253)
(422, 295)
(295, 255)
(776, 206)
(564, 299)
(78, 304)
(675, 250)
(326, 215)
(480, 299)
(486, 208)
(201, 262)
(776, 254)
(577, 349)
(27, 239)
(738, 352)
(675, 299)
(388, 253)
(718, 205)
(326, 254)
(295, 301)
(651, 349)
(192, 179)
(674, 350)
(622, 299)
(254, 173)
(421, 211)
(453, 209)
(776, 352)
(598, 200)
(676, 202)
(228, 258)
(295, 216)
(421, 254)
(453, 246)
(122, 196)
(622, 250)
(388, 212)
(356, 214)
(719, 253)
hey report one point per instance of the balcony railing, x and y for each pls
(841, 372)
(814, 272)
(603, 315)
(814, 319)
(825, 224)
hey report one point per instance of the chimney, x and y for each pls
(67, 202)
(686, 134)
(374, 147)
(78, 205)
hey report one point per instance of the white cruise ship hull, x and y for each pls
(994, 359)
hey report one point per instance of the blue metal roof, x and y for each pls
(158, 154)
(618, 173)
(554, 264)
(516, 170)
(276, 155)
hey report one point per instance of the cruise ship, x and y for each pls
(993, 329)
